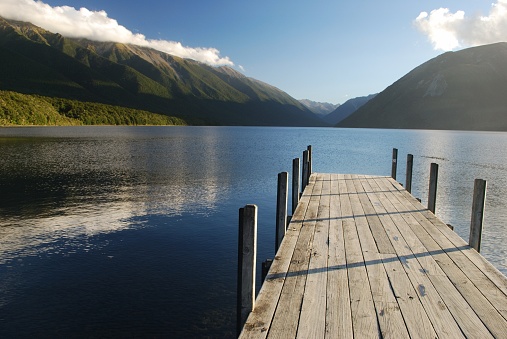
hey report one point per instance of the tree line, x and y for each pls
(17, 109)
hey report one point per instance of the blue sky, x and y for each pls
(322, 50)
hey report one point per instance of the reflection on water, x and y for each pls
(131, 231)
(68, 187)
(65, 196)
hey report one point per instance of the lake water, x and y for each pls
(132, 231)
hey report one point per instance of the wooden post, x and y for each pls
(247, 253)
(304, 176)
(432, 192)
(266, 265)
(281, 207)
(309, 148)
(408, 180)
(394, 163)
(295, 184)
(479, 201)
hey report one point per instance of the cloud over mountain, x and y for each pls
(447, 30)
(96, 25)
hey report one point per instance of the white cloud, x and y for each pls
(447, 30)
(96, 25)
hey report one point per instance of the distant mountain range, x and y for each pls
(348, 107)
(320, 108)
(464, 90)
(36, 61)
(456, 90)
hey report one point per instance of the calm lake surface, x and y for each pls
(132, 231)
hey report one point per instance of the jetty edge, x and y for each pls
(361, 257)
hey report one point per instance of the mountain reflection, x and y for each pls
(54, 190)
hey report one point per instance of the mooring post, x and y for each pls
(309, 148)
(394, 163)
(478, 203)
(432, 192)
(281, 208)
(408, 180)
(304, 174)
(266, 265)
(295, 184)
(247, 253)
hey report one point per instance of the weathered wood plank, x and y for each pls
(286, 318)
(489, 280)
(470, 309)
(485, 266)
(481, 293)
(364, 317)
(338, 312)
(376, 228)
(388, 311)
(363, 258)
(259, 321)
(416, 319)
(421, 290)
(312, 323)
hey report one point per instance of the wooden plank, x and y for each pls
(488, 309)
(259, 321)
(415, 316)
(463, 257)
(481, 293)
(403, 233)
(470, 309)
(312, 321)
(364, 317)
(485, 266)
(286, 318)
(338, 312)
(363, 258)
(407, 295)
(377, 229)
(388, 311)
(420, 291)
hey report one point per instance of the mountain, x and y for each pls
(346, 109)
(36, 61)
(462, 90)
(319, 108)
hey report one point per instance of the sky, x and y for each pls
(322, 50)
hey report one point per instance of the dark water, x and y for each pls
(132, 231)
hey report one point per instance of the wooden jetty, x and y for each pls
(362, 258)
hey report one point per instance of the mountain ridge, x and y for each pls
(139, 78)
(319, 108)
(461, 90)
(346, 109)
